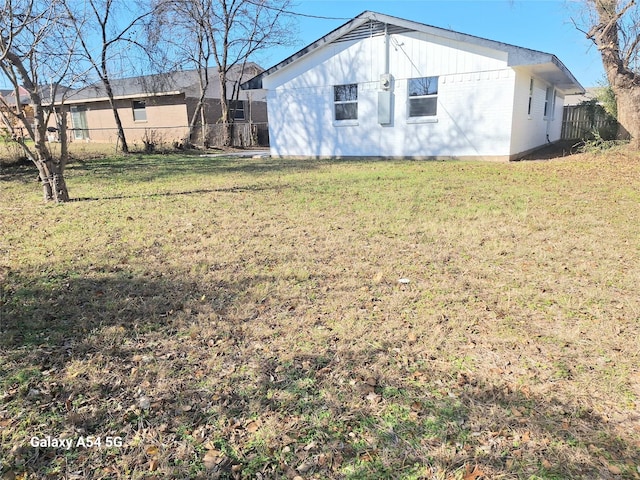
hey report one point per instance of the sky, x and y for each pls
(544, 25)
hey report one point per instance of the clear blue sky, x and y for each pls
(544, 25)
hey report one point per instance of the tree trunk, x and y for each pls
(628, 100)
(624, 81)
(225, 117)
(54, 186)
(59, 186)
(121, 136)
(47, 191)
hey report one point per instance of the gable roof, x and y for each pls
(9, 96)
(161, 84)
(368, 23)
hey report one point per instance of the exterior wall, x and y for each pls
(256, 111)
(474, 105)
(166, 120)
(531, 130)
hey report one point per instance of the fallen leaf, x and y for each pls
(153, 465)
(213, 458)
(144, 403)
(546, 464)
(152, 450)
(472, 474)
(373, 397)
(371, 381)
(366, 457)
(304, 467)
(252, 427)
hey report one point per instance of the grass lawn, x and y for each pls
(252, 318)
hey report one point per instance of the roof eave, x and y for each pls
(255, 83)
(71, 100)
(518, 56)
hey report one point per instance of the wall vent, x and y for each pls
(372, 28)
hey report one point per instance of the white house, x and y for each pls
(381, 86)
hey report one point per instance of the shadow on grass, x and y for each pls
(20, 172)
(154, 167)
(403, 428)
(238, 189)
(146, 168)
(266, 411)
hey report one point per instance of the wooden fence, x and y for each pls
(581, 121)
(244, 134)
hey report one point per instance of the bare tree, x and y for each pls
(191, 46)
(99, 23)
(224, 34)
(616, 33)
(31, 33)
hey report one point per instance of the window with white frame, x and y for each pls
(79, 122)
(345, 101)
(549, 103)
(530, 96)
(139, 111)
(423, 96)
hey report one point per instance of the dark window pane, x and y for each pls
(423, 107)
(238, 109)
(423, 86)
(345, 93)
(346, 111)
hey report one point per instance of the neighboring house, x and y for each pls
(381, 86)
(158, 106)
(8, 98)
(589, 94)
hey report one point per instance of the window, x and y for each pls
(79, 122)
(345, 98)
(423, 97)
(139, 111)
(237, 109)
(549, 102)
(530, 96)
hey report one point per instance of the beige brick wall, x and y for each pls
(166, 120)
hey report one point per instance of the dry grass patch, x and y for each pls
(243, 318)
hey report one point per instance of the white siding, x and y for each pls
(531, 130)
(479, 97)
